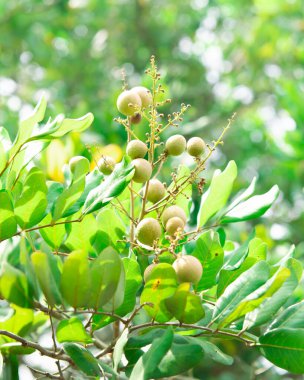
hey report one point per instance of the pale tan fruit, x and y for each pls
(136, 149)
(148, 271)
(196, 146)
(174, 224)
(173, 211)
(145, 95)
(188, 269)
(176, 145)
(106, 165)
(79, 162)
(156, 190)
(148, 230)
(143, 170)
(128, 102)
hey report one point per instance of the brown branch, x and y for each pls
(36, 346)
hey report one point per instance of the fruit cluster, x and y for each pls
(135, 104)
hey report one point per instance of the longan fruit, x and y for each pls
(176, 145)
(148, 230)
(188, 269)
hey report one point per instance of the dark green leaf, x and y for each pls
(284, 347)
(149, 361)
(83, 359)
(292, 317)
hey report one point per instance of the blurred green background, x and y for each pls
(221, 56)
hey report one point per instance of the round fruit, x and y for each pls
(174, 224)
(128, 102)
(144, 94)
(148, 271)
(173, 211)
(143, 170)
(156, 191)
(79, 162)
(136, 118)
(176, 145)
(188, 269)
(136, 149)
(148, 230)
(196, 146)
(106, 165)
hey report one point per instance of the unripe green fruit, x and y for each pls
(79, 162)
(106, 165)
(174, 224)
(143, 170)
(148, 271)
(136, 149)
(188, 269)
(147, 231)
(156, 191)
(144, 94)
(176, 145)
(196, 146)
(128, 102)
(172, 212)
(136, 118)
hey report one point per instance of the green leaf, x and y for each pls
(218, 193)
(253, 300)
(284, 347)
(25, 131)
(185, 306)
(110, 229)
(105, 274)
(257, 250)
(14, 286)
(245, 284)
(252, 208)
(15, 348)
(60, 127)
(213, 352)
(270, 306)
(72, 330)
(119, 348)
(83, 359)
(30, 207)
(179, 359)
(27, 125)
(243, 195)
(234, 259)
(162, 284)
(70, 195)
(48, 275)
(292, 317)
(75, 279)
(92, 180)
(133, 283)
(81, 235)
(110, 188)
(19, 323)
(149, 361)
(8, 224)
(54, 236)
(211, 255)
